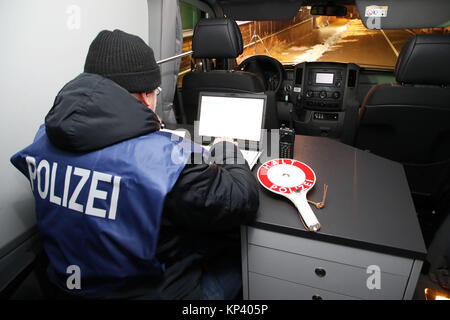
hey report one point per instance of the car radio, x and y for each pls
(319, 94)
(323, 88)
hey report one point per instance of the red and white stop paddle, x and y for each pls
(292, 179)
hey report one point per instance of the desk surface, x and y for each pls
(368, 205)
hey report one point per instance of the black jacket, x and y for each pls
(202, 212)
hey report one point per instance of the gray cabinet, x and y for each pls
(281, 266)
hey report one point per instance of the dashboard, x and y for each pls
(316, 98)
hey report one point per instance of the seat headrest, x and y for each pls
(425, 59)
(217, 38)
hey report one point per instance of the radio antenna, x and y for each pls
(291, 121)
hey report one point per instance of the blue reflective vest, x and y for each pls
(100, 211)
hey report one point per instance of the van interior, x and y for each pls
(370, 75)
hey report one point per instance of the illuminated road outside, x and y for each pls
(341, 41)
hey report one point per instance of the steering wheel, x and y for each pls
(267, 68)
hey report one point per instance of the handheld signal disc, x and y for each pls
(291, 179)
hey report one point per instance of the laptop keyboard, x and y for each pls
(251, 157)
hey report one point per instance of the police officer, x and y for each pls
(121, 202)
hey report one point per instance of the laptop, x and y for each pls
(238, 116)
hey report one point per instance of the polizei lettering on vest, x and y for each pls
(44, 175)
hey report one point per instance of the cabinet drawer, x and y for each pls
(322, 274)
(267, 288)
(330, 251)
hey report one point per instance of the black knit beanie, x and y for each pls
(124, 58)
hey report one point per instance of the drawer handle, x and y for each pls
(320, 272)
(316, 297)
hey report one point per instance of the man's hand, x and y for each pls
(225, 139)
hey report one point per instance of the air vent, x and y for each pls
(298, 75)
(351, 79)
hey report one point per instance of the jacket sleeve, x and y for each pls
(218, 195)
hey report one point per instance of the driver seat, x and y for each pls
(218, 38)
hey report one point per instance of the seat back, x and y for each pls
(221, 39)
(409, 121)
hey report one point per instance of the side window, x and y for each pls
(189, 18)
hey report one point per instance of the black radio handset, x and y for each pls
(287, 138)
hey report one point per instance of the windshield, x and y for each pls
(319, 38)
(311, 38)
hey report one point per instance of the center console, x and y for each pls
(318, 97)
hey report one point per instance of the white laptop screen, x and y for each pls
(231, 116)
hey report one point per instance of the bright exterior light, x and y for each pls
(431, 294)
